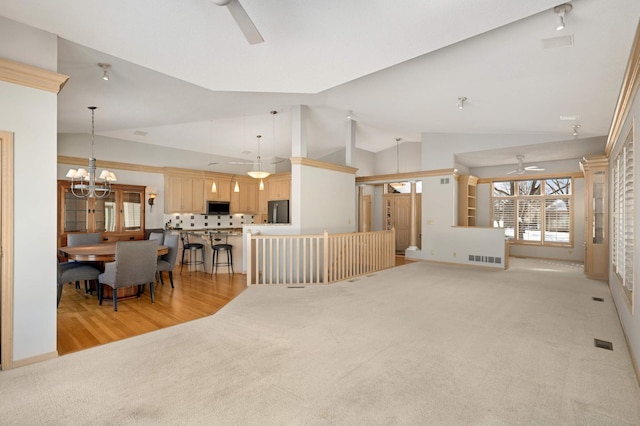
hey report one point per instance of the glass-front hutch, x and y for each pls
(119, 216)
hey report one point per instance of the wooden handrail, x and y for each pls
(317, 259)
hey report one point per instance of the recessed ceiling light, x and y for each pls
(569, 117)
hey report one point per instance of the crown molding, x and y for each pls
(30, 76)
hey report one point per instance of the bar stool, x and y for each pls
(193, 252)
(217, 247)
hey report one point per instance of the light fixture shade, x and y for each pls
(81, 173)
(258, 174)
(71, 173)
(236, 188)
(261, 187)
(104, 174)
(214, 188)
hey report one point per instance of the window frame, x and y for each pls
(543, 198)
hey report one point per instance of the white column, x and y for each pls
(350, 142)
(413, 239)
(299, 137)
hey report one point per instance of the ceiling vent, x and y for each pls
(554, 42)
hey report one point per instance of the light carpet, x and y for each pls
(418, 344)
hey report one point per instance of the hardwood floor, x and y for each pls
(83, 324)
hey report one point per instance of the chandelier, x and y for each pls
(84, 184)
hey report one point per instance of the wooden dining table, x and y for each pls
(104, 252)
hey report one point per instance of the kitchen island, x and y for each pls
(234, 237)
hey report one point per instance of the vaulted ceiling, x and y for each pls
(182, 73)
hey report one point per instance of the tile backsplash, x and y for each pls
(200, 221)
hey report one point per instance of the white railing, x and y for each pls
(317, 259)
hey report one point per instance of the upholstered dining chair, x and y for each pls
(135, 265)
(168, 261)
(74, 272)
(158, 236)
(83, 239)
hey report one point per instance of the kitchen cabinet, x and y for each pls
(467, 200)
(119, 216)
(184, 194)
(223, 189)
(246, 199)
(279, 187)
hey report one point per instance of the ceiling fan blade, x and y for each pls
(244, 22)
(534, 169)
(512, 172)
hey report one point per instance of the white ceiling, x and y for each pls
(183, 73)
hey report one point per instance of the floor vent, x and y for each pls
(372, 275)
(598, 299)
(485, 259)
(354, 280)
(295, 286)
(603, 344)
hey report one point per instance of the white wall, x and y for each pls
(31, 115)
(406, 159)
(326, 200)
(444, 242)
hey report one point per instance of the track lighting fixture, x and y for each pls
(105, 71)
(561, 10)
(575, 129)
(461, 101)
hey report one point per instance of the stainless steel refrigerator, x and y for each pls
(279, 211)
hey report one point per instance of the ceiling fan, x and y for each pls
(521, 169)
(257, 162)
(242, 19)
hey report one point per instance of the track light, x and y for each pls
(105, 71)
(561, 10)
(575, 129)
(461, 101)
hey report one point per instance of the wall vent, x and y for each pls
(444, 181)
(598, 299)
(485, 259)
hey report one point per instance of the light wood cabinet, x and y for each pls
(246, 200)
(223, 189)
(184, 194)
(279, 187)
(119, 216)
(467, 200)
(596, 260)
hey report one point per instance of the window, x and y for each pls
(623, 215)
(534, 211)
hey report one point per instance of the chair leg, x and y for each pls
(230, 260)
(170, 278)
(115, 300)
(182, 260)
(100, 293)
(161, 278)
(153, 299)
